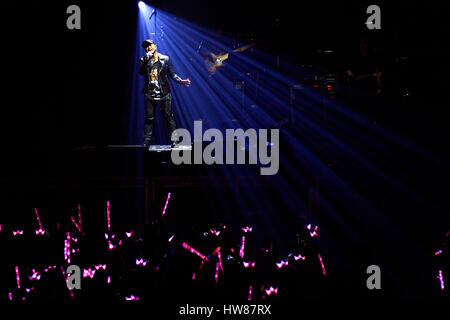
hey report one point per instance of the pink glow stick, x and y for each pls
(315, 232)
(249, 264)
(141, 262)
(165, 206)
(40, 230)
(441, 279)
(220, 261)
(17, 232)
(100, 266)
(131, 298)
(250, 293)
(10, 295)
(67, 248)
(215, 232)
(323, 266)
(438, 252)
(17, 277)
(49, 267)
(192, 250)
(111, 246)
(129, 234)
(299, 257)
(79, 218)
(216, 251)
(271, 291)
(281, 264)
(66, 277)
(76, 224)
(216, 275)
(247, 229)
(108, 216)
(171, 238)
(89, 273)
(241, 249)
(35, 275)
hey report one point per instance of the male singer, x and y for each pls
(157, 68)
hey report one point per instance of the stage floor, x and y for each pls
(152, 148)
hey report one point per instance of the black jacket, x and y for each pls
(165, 70)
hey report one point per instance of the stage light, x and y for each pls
(141, 5)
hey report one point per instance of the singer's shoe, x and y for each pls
(147, 145)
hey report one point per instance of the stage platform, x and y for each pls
(152, 148)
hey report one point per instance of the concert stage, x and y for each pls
(317, 166)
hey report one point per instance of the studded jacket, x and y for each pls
(165, 70)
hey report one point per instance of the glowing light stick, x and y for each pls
(88, 273)
(438, 252)
(192, 250)
(108, 216)
(35, 275)
(40, 230)
(315, 232)
(141, 262)
(111, 246)
(165, 206)
(171, 238)
(129, 234)
(76, 224)
(441, 279)
(67, 250)
(17, 277)
(215, 232)
(100, 266)
(250, 293)
(79, 218)
(271, 291)
(323, 266)
(20, 232)
(247, 229)
(131, 298)
(66, 277)
(49, 267)
(216, 275)
(241, 250)
(220, 261)
(299, 257)
(216, 251)
(281, 264)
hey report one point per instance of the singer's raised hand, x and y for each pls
(185, 82)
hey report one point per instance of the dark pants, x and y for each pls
(166, 108)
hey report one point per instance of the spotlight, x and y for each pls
(141, 5)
